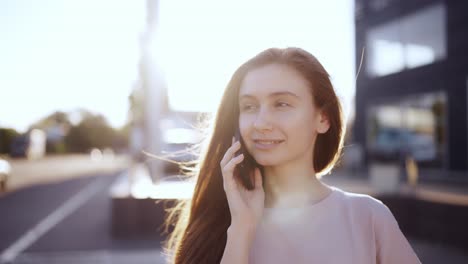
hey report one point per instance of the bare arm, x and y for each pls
(245, 206)
(239, 241)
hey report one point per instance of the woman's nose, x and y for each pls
(262, 121)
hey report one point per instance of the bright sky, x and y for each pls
(203, 42)
(60, 55)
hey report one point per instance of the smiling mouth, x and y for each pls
(268, 142)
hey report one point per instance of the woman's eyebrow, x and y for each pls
(275, 94)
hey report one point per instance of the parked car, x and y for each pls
(19, 146)
(5, 170)
(30, 145)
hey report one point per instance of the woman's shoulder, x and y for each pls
(359, 203)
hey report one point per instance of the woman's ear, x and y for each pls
(323, 123)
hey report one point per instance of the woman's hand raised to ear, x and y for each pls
(246, 206)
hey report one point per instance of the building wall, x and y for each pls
(449, 75)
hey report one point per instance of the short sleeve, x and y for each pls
(391, 245)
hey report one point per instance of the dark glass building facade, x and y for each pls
(412, 87)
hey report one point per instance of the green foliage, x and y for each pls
(121, 141)
(56, 118)
(56, 147)
(92, 132)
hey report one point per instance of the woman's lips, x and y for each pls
(267, 144)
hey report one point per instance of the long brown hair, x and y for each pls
(199, 234)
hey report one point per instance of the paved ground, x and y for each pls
(435, 253)
(59, 168)
(67, 222)
(86, 257)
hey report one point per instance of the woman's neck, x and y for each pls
(292, 186)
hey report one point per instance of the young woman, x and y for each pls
(260, 199)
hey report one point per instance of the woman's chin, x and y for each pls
(266, 163)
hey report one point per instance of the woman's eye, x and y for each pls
(253, 107)
(248, 107)
(282, 104)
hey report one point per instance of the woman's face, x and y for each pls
(278, 120)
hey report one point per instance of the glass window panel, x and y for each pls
(407, 43)
(424, 46)
(413, 126)
(386, 53)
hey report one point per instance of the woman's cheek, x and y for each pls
(289, 117)
(244, 124)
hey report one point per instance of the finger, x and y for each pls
(258, 179)
(228, 172)
(229, 183)
(229, 168)
(230, 153)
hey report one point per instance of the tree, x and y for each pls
(92, 132)
(56, 125)
(57, 118)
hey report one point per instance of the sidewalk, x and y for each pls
(59, 168)
(99, 256)
(423, 191)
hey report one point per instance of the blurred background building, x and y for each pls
(411, 92)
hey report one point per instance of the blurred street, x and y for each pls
(69, 221)
(66, 220)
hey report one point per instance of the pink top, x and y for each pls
(342, 228)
